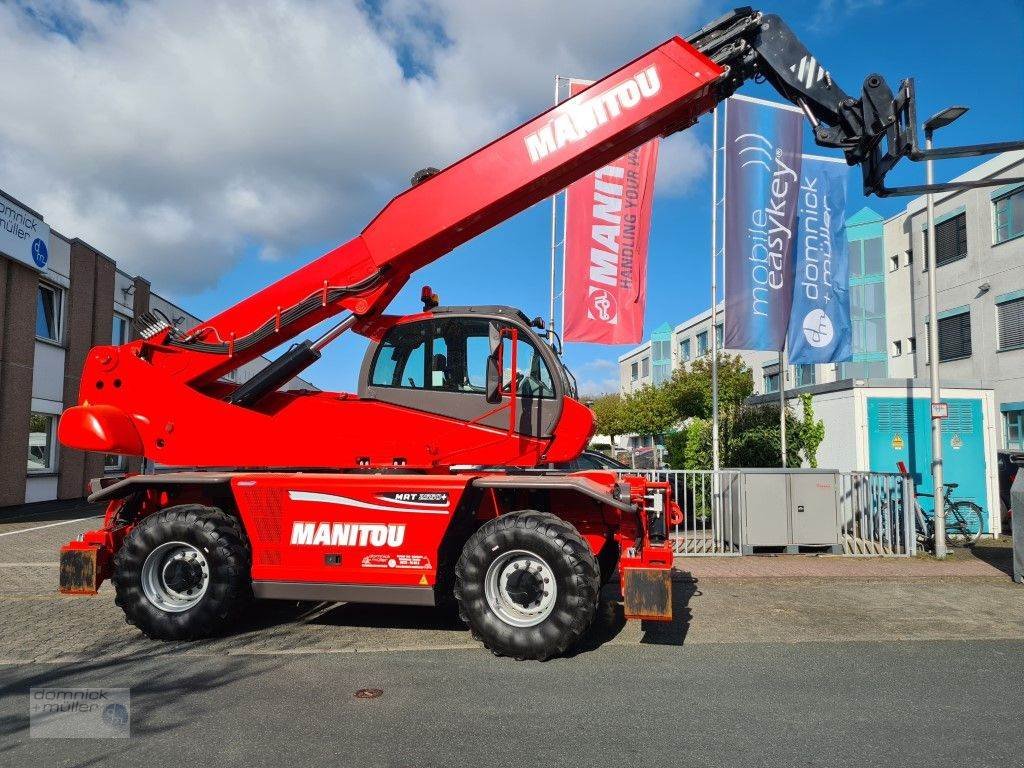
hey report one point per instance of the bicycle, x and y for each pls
(965, 520)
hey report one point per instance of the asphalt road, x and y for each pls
(780, 672)
(920, 703)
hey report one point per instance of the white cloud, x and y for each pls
(171, 134)
(599, 364)
(594, 387)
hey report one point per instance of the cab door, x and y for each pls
(439, 365)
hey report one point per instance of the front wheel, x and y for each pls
(527, 585)
(965, 523)
(183, 573)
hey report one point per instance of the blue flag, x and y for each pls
(762, 178)
(819, 325)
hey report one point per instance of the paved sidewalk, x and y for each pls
(961, 565)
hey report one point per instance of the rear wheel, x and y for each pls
(183, 573)
(965, 522)
(527, 585)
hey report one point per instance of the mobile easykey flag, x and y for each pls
(608, 221)
(819, 325)
(762, 179)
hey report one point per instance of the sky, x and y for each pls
(216, 146)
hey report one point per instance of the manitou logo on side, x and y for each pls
(347, 534)
(576, 122)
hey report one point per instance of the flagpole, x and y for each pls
(715, 459)
(554, 244)
(782, 402)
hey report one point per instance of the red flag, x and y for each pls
(608, 220)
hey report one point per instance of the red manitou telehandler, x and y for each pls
(427, 486)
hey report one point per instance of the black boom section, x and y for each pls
(875, 131)
(274, 376)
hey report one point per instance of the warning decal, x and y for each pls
(418, 562)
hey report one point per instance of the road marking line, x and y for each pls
(30, 565)
(50, 525)
(26, 517)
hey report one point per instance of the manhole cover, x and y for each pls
(368, 693)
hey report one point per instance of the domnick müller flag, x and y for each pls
(762, 177)
(819, 325)
(608, 219)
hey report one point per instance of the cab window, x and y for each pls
(533, 379)
(402, 357)
(450, 355)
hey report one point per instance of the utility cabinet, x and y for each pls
(789, 508)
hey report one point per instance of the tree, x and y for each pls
(649, 411)
(698, 444)
(811, 432)
(610, 415)
(690, 388)
(756, 440)
(675, 449)
(689, 391)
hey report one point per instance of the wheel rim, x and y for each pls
(175, 576)
(520, 588)
(964, 526)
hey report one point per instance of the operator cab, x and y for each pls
(463, 362)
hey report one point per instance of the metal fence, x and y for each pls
(711, 509)
(875, 512)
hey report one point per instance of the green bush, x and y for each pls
(675, 447)
(756, 440)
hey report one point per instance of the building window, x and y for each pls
(867, 306)
(1014, 421)
(894, 263)
(864, 369)
(866, 257)
(120, 334)
(661, 350)
(950, 241)
(114, 462)
(719, 335)
(954, 337)
(49, 311)
(771, 382)
(908, 258)
(1011, 324)
(684, 351)
(897, 348)
(1009, 215)
(40, 442)
(912, 345)
(805, 375)
(645, 367)
(635, 371)
(661, 354)
(702, 343)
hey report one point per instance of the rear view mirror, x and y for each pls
(494, 367)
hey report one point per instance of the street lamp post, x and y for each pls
(932, 124)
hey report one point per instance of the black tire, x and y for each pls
(965, 522)
(575, 571)
(220, 540)
(607, 557)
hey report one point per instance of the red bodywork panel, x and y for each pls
(379, 530)
(165, 401)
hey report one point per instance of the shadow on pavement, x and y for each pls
(155, 677)
(608, 622)
(388, 617)
(998, 555)
(684, 587)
